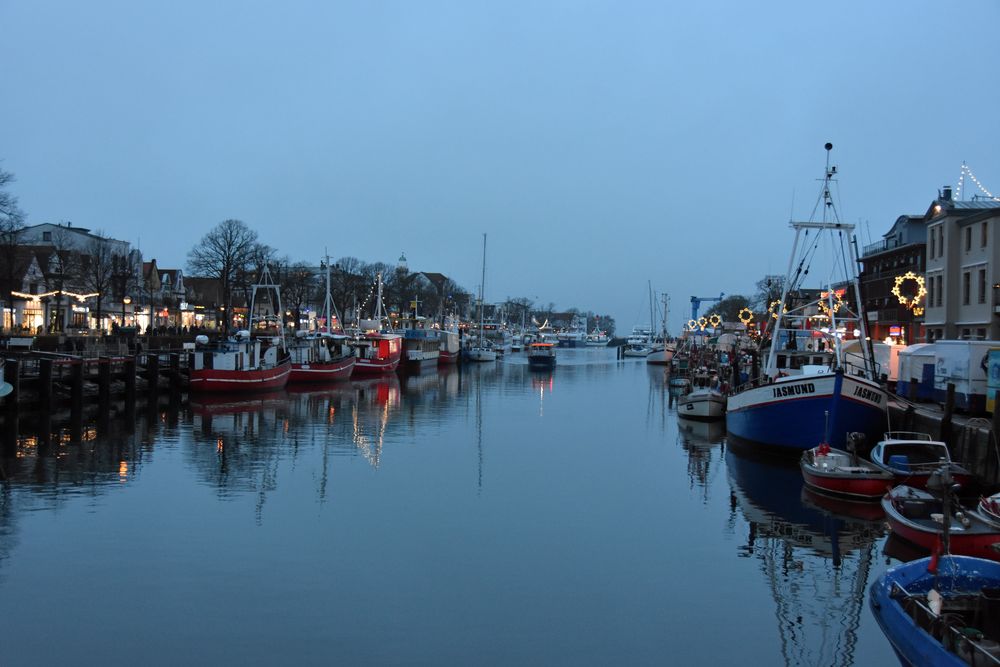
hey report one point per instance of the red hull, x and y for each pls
(233, 382)
(333, 371)
(853, 487)
(446, 358)
(375, 367)
(977, 543)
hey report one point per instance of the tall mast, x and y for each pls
(328, 302)
(482, 291)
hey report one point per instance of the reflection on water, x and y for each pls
(817, 565)
(484, 514)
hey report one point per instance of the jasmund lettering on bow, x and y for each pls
(794, 390)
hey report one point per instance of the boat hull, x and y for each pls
(235, 382)
(331, 371)
(911, 642)
(858, 482)
(367, 367)
(978, 541)
(701, 406)
(541, 363)
(791, 414)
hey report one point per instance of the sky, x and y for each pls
(602, 146)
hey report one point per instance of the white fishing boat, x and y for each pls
(661, 351)
(705, 401)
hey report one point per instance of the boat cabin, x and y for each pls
(241, 353)
(910, 451)
(542, 349)
(318, 348)
(378, 347)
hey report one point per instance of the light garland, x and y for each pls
(918, 311)
(837, 302)
(746, 316)
(702, 322)
(715, 320)
(905, 301)
(961, 182)
(38, 297)
(773, 309)
(692, 325)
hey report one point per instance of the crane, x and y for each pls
(696, 303)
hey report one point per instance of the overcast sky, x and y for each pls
(601, 145)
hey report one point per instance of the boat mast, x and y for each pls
(267, 283)
(327, 302)
(378, 301)
(482, 290)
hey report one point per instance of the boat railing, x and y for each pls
(948, 627)
(907, 435)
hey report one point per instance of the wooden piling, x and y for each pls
(76, 392)
(104, 386)
(12, 375)
(130, 386)
(949, 409)
(153, 371)
(175, 373)
(45, 384)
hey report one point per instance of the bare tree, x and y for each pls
(62, 270)
(298, 283)
(97, 270)
(126, 277)
(12, 260)
(224, 253)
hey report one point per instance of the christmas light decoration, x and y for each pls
(715, 320)
(773, 309)
(838, 301)
(746, 316)
(910, 302)
(692, 325)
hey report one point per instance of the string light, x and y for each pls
(692, 325)
(746, 316)
(961, 182)
(837, 302)
(905, 301)
(37, 297)
(715, 320)
(702, 322)
(773, 309)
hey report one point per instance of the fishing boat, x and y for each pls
(575, 335)
(940, 611)
(597, 338)
(377, 351)
(639, 342)
(842, 473)
(421, 341)
(242, 363)
(481, 349)
(704, 401)
(322, 356)
(661, 352)
(919, 516)
(541, 356)
(913, 457)
(449, 343)
(836, 394)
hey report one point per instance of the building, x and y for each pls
(963, 269)
(892, 276)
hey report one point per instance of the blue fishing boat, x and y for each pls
(941, 612)
(819, 382)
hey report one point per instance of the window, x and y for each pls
(966, 283)
(982, 285)
(982, 235)
(933, 236)
(981, 334)
(939, 296)
(941, 240)
(966, 334)
(930, 292)
(968, 239)
(46, 236)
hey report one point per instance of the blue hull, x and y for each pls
(796, 425)
(914, 645)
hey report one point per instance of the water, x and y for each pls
(488, 516)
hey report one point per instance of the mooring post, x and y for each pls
(104, 385)
(12, 375)
(175, 373)
(76, 391)
(949, 408)
(153, 371)
(45, 383)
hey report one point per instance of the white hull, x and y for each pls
(479, 354)
(702, 404)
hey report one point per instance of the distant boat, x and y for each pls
(661, 352)
(704, 401)
(449, 344)
(597, 339)
(322, 356)
(639, 343)
(542, 356)
(421, 341)
(482, 350)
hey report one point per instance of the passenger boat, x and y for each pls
(940, 611)
(919, 517)
(242, 363)
(815, 403)
(913, 457)
(841, 473)
(322, 356)
(704, 401)
(541, 356)
(377, 352)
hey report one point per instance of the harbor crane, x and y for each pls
(697, 300)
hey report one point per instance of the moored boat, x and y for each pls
(913, 457)
(541, 356)
(843, 474)
(835, 394)
(236, 365)
(320, 357)
(377, 352)
(919, 517)
(482, 349)
(704, 401)
(940, 611)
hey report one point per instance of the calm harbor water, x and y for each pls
(488, 515)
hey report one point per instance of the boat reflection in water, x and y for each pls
(704, 443)
(817, 565)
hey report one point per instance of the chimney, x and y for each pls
(946, 193)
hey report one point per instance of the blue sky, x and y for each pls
(601, 145)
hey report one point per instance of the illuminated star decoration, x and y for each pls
(746, 316)
(911, 302)
(824, 307)
(692, 325)
(773, 309)
(715, 320)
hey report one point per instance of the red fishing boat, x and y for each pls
(321, 357)
(844, 474)
(377, 352)
(918, 517)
